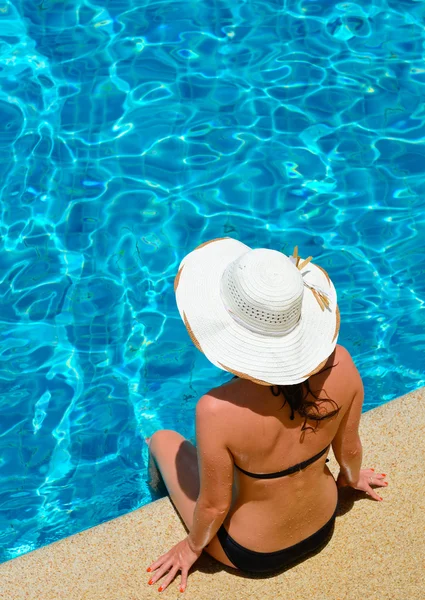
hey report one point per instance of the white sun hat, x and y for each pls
(258, 313)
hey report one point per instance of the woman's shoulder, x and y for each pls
(340, 357)
(343, 356)
(217, 406)
(337, 363)
(227, 391)
(344, 374)
(232, 394)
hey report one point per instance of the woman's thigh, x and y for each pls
(176, 459)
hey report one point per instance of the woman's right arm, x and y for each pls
(346, 444)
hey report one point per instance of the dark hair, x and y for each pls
(296, 396)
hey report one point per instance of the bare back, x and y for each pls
(271, 514)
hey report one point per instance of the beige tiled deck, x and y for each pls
(377, 551)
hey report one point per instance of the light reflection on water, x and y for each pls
(131, 132)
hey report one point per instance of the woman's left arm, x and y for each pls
(215, 465)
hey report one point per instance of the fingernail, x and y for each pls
(148, 569)
(372, 469)
(160, 588)
(385, 482)
(150, 582)
(383, 474)
(380, 498)
(182, 589)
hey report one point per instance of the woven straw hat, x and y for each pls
(258, 313)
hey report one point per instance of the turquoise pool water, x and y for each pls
(131, 132)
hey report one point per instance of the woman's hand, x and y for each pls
(367, 478)
(180, 558)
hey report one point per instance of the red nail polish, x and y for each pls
(372, 469)
(150, 582)
(160, 588)
(383, 474)
(385, 482)
(148, 569)
(182, 589)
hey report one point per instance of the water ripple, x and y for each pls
(130, 133)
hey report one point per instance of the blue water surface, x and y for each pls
(132, 131)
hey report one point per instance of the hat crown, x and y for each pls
(263, 291)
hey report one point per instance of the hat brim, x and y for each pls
(267, 360)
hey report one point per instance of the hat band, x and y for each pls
(275, 333)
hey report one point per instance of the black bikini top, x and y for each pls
(289, 471)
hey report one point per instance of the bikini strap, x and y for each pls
(294, 469)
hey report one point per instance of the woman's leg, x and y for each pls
(176, 459)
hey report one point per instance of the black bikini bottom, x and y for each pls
(267, 562)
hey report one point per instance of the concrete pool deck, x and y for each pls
(377, 550)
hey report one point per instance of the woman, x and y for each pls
(255, 493)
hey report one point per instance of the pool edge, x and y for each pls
(376, 549)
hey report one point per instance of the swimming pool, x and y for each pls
(131, 132)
